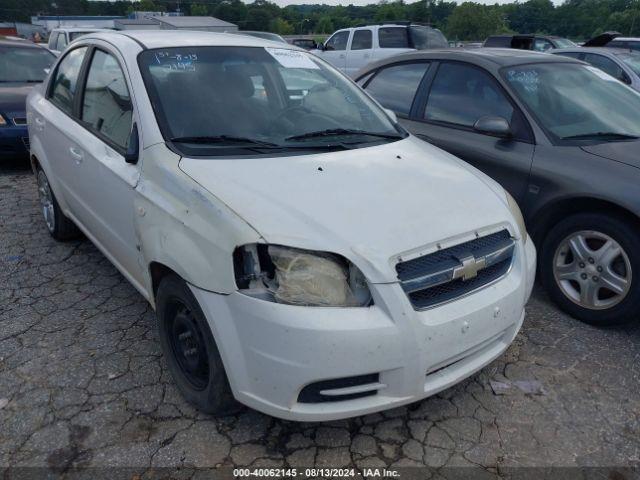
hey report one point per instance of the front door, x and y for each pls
(458, 95)
(335, 50)
(105, 182)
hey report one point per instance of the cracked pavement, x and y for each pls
(83, 383)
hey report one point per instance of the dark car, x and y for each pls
(22, 65)
(306, 43)
(561, 136)
(621, 64)
(538, 43)
(614, 40)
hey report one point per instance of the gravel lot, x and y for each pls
(83, 383)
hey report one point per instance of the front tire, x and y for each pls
(190, 349)
(590, 265)
(59, 225)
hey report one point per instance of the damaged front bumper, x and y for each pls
(318, 363)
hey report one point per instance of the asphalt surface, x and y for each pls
(83, 384)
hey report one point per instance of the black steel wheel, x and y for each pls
(190, 349)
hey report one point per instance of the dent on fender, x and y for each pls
(184, 227)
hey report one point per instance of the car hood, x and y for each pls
(13, 96)
(369, 204)
(623, 152)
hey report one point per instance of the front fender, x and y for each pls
(185, 228)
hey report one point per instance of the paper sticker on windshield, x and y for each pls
(601, 74)
(291, 58)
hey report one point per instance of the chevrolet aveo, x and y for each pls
(304, 254)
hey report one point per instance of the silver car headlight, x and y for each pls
(300, 277)
(517, 215)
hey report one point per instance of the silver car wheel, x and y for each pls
(46, 201)
(592, 270)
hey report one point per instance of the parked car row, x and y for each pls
(286, 224)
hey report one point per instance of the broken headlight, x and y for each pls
(300, 277)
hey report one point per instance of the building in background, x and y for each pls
(136, 24)
(207, 24)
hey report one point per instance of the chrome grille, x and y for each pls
(456, 271)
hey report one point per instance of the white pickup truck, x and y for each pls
(351, 49)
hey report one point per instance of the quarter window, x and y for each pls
(395, 87)
(461, 95)
(338, 41)
(393, 37)
(64, 85)
(106, 105)
(362, 40)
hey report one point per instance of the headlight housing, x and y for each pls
(300, 277)
(517, 215)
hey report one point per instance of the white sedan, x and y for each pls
(305, 255)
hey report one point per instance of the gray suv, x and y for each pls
(561, 136)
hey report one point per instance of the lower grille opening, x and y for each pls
(311, 393)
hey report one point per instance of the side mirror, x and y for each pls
(392, 114)
(495, 126)
(133, 149)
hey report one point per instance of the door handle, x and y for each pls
(39, 124)
(76, 154)
(342, 55)
(366, 55)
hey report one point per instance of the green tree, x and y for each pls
(198, 10)
(281, 26)
(473, 21)
(324, 25)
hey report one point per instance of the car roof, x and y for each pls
(490, 58)
(80, 29)
(186, 38)
(600, 50)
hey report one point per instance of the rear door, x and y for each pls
(395, 86)
(360, 50)
(455, 97)
(335, 51)
(56, 122)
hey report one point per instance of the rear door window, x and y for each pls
(395, 87)
(393, 37)
(362, 40)
(63, 89)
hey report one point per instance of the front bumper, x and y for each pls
(272, 351)
(14, 141)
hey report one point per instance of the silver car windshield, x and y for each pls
(575, 102)
(258, 98)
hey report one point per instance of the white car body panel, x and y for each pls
(372, 205)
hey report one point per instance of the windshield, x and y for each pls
(564, 43)
(575, 102)
(632, 60)
(24, 64)
(426, 37)
(209, 98)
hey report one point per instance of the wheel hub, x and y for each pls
(46, 201)
(189, 348)
(592, 269)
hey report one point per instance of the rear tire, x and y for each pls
(590, 265)
(59, 225)
(190, 349)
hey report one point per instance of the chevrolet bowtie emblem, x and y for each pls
(469, 268)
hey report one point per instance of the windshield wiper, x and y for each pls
(223, 139)
(602, 136)
(342, 131)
